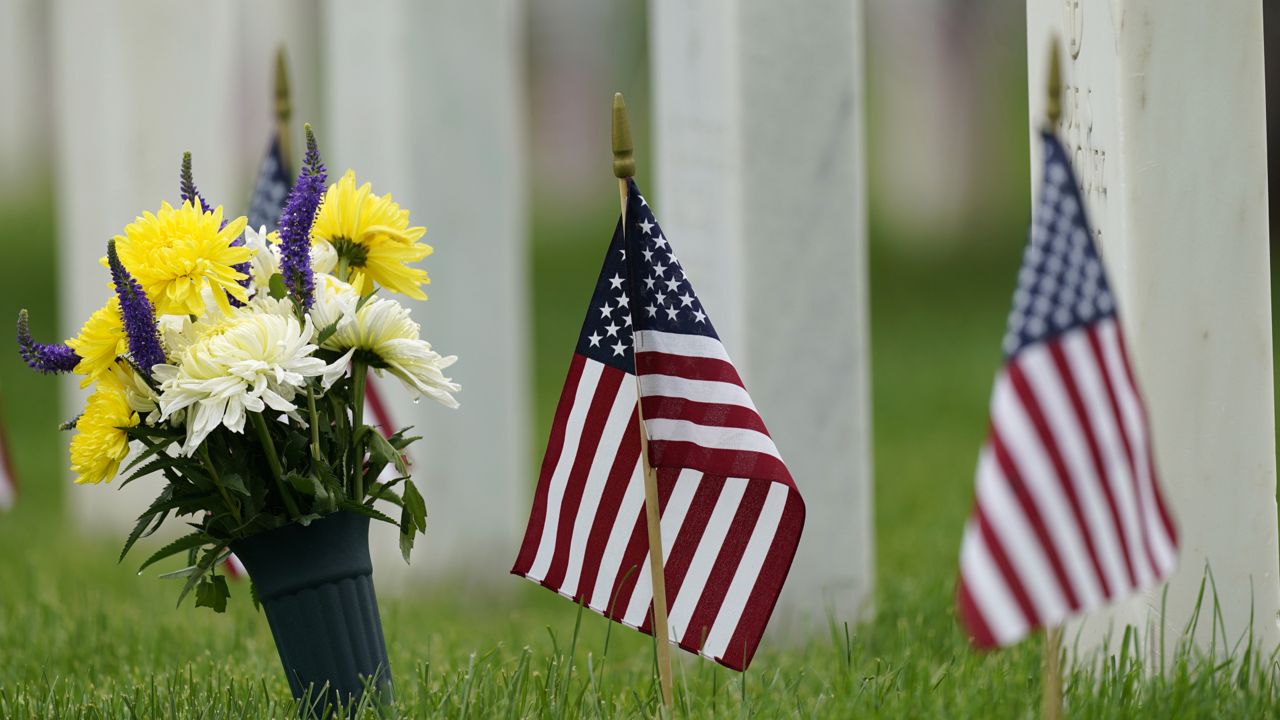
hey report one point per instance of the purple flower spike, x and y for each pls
(187, 186)
(43, 357)
(139, 316)
(295, 225)
(187, 183)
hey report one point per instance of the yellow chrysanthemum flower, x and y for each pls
(100, 342)
(100, 443)
(177, 252)
(371, 235)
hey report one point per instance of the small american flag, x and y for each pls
(730, 513)
(1068, 512)
(271, 188)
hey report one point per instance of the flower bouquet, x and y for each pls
(233, 362)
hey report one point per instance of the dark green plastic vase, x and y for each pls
(315, 583)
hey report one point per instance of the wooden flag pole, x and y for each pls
(1052, 681)
(284, 110)
(1053, 673)
(624, 167)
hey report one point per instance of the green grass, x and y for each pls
(84, 637)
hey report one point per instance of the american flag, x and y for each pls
(270, 189)
(730, 513)
(1068, 512)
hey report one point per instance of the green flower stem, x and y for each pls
(359, 371)
(264, 435)
(315, 423)
(343, 268)
(217, 482)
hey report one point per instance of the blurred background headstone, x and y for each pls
(759, 155)
(426, 101)
(1163, 116)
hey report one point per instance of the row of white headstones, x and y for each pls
(759, 162)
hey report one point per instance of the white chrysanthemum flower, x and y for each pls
(266, 257)
(383, 329)
(323, 257)
(265, 261)
(249, 361)
(335, 301)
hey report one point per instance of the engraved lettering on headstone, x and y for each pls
(1088, 157)
(1073, 12)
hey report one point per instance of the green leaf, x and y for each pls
(400, 440)
(304, 484)
(142, 456)
(415, 505)
(183, 573)
(276, 288)
(367, 511)
(234, 482)
(413, 518)
(327, 332)
(158, 432)
(385, 491)
(167, 465)
(213, 593)
(381, 451)
(199, 570)
(365, 298)
(406, 541)
(194, 540)
(160, 506)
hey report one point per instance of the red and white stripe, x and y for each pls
(375, 408)
(730, 514)
(8, 478)
(234, 568)
(1068, 513)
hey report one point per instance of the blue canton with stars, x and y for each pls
(1061, 285)
(270, 190)
(660, 297)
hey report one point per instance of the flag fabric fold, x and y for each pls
(1068, 513)
(270, 189)
(731, 516)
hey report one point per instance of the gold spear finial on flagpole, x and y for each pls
(624, 167)
(284, 111)
(1053, 108)
(624, 158)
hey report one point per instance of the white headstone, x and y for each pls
(759, 159)
(1164, 118)
(424, 100)
(24, 114)
(134, 85)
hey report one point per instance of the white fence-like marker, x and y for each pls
(425, 100)
(759, 157)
